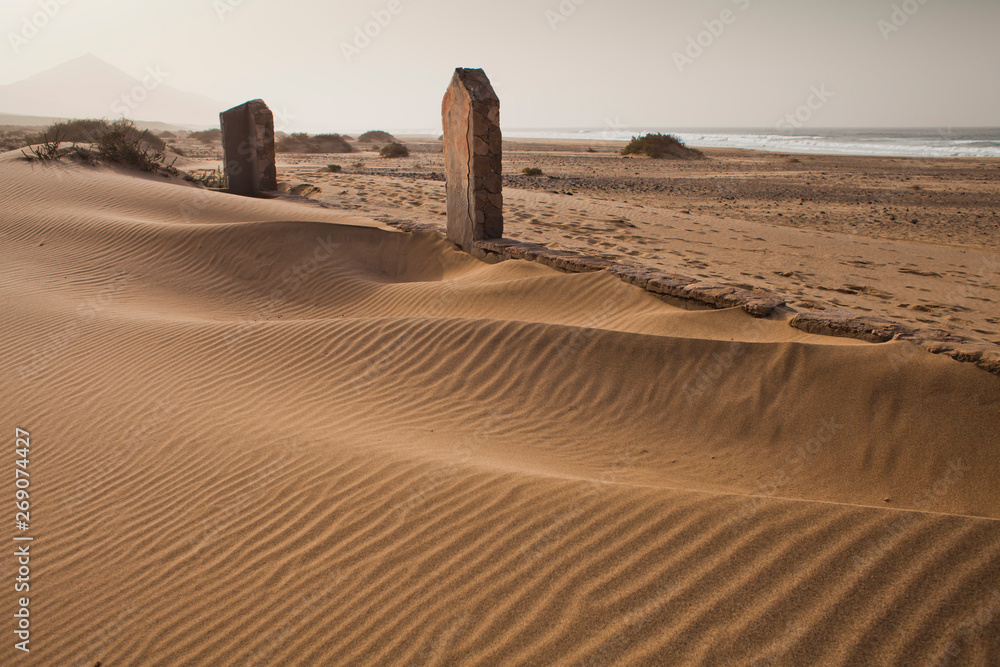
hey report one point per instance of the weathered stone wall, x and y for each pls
(473, 159)
(248, 146)
(758, 303)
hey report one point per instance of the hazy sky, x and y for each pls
(554, 63)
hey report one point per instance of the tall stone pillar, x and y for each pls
(472, 157)
(248, 147)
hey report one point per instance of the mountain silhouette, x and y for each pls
(88, 87)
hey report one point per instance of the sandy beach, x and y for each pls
(268, 432)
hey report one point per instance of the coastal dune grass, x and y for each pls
(113, 142)
(659, 146)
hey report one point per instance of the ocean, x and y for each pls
(930, 142)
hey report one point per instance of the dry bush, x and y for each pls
(300, 142)
(394, 149)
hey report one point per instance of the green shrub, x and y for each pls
(394, 150)
(660, 146)
(377, 136)
(531, 171)
(334, 168)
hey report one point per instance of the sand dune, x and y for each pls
(275, 434)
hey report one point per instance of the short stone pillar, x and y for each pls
(248, 147)
(472, 158)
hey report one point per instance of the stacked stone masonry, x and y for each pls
(473, 150)
(248, 144)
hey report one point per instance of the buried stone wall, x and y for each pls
(472, 156)
(248, 148)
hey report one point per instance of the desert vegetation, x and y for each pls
(80, 130)
(123, 143)
(531, 171)
(395, 149)
(90, 131)
(113, 142)
(376, 137)
(301, 142)
(13, 139)
(660, 146)
(207, 136)
(210, 178)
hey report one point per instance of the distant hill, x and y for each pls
(88, 87)
(9, 121)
